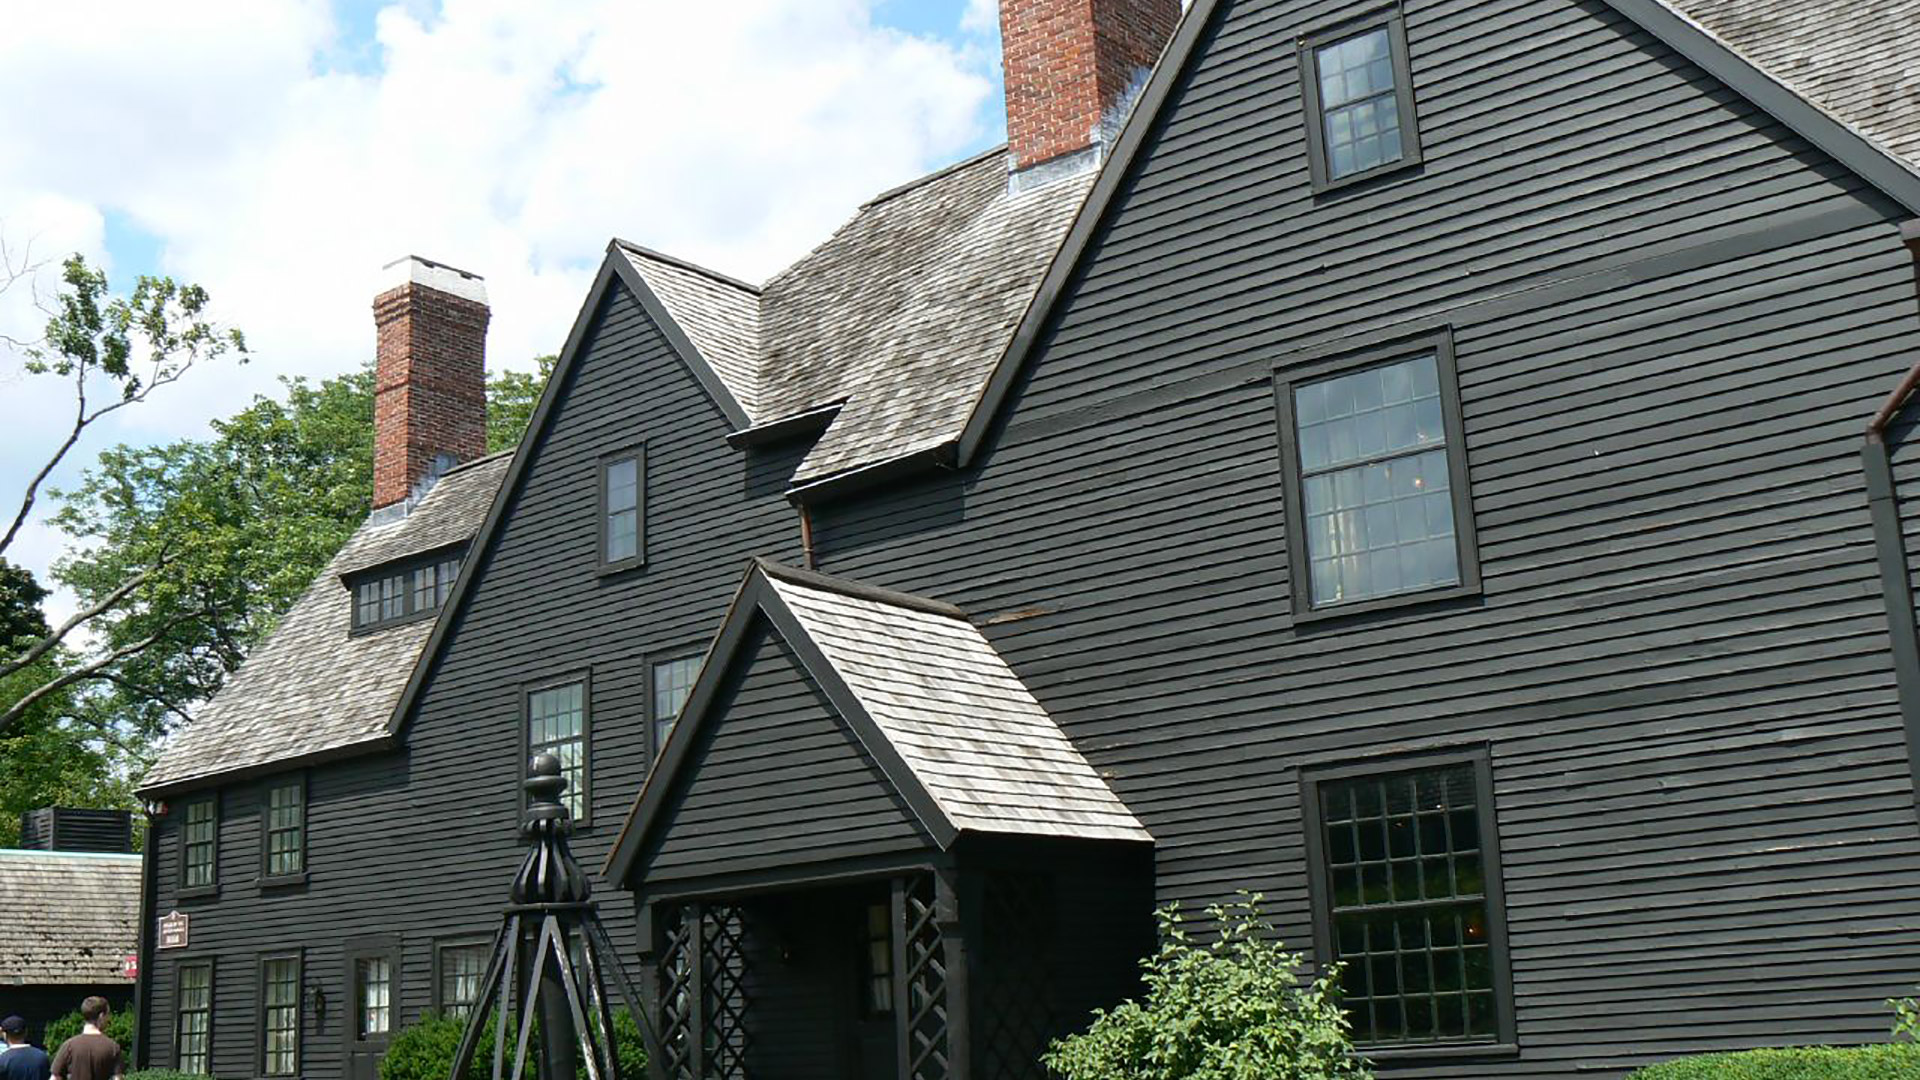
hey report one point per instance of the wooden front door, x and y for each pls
(373, 1000)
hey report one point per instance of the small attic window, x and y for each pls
(402, 592)
(1357, 88)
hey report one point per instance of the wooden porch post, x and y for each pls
(950, 917)
(902, 983)
(695, 914)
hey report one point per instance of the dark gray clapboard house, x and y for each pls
(1413, 461)
(69, 914)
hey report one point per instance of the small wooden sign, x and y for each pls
(173, 931)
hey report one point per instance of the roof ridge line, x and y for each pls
(943, 171)
(858, 590)
(686, 264)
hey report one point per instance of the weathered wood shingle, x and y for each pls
(70, 916)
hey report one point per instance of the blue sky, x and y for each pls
(280, 152)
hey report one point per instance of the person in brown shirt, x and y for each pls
(90, 1055)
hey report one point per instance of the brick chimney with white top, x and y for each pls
(430, 381)
(1072, 68)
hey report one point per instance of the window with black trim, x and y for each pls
(193, 1017)
(1405, 877)
(557, 725)
(372, 997)
(1357, 87)
(672, 682)
(876, 960)
(1376, 478)
(200, 845)
(285, 828)
(458, 969)
(623, 496)
(402, 593)
(280, 1015)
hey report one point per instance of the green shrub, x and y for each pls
(425, 1050)
(1898, 1061)
(170, 1074)
(1233, 1009)
(119, 1029)
(1906, 1018)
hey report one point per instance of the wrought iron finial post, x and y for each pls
(535, 970)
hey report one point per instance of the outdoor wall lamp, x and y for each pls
(318, 997)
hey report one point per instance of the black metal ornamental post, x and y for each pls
(534, 969)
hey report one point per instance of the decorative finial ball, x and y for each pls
(544, 765)
(545, 781)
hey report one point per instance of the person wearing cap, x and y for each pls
(22, 1060)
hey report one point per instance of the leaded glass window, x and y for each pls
(287, 827)
(876, 968)
(672, 682)
(1408, 901)
(280, 1016)
(193, 1019)
(621, 494)
(199, 845)
(404, 593)
(461, 969)
(557, 725)
(1375, 482)
(373, 988)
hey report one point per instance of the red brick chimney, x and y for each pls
(430, 382)
(1071, 66)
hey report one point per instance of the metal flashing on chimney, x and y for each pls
(414, 270)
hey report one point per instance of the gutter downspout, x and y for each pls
(1890, 546)
(149, 898)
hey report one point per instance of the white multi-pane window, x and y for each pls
(287, 827)
(280, 1016)
(461, 968)
(672, 682)
(193, 1019)
(199, 844)
(373, 985)
(557, 725)
(620, 528)
(1375, 482)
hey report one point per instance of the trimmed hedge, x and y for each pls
(164, 1074)
(119, 1029)
(1893, 1061)
(424, 1050)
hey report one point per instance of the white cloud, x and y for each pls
(508, 138)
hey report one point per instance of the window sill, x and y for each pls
(1367, 178)
(283, 881)
(198, 892)
(1312, 615)
(1440, 1052)
(625, 565)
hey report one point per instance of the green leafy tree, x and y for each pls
(114, 352)
(511, 397)
(1235, 1008)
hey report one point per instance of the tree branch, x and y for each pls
(80, 422)
(90, 670)
(107, 603)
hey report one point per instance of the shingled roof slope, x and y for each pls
(72, 917)
(313, 686)
(1852, 58)
(898, 318)
(720, 315)
(971, 731)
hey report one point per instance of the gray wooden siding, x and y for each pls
(422, 844)
(779, 782)
(1672, 321)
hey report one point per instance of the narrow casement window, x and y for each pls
(1357, 87)
(1407, 899)
(876, 967)
(557, 725)
(193, 1018)
(280, 1016)
(622, 495)
(373, 997)
(672, 682)
(1376, 480)
(200, 844)
(461, 968)
(287, 827)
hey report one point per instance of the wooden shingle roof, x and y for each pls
(71, 917)
(313, 687)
